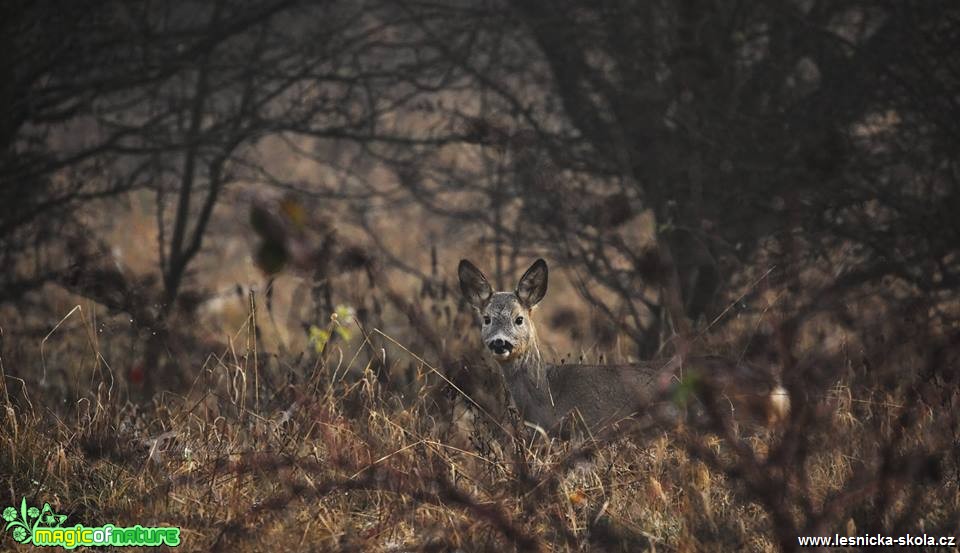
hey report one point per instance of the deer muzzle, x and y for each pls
(501, 348)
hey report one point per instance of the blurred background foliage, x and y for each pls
(771, 180)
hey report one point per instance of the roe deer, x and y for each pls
(599, 395)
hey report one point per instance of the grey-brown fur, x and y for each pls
(597, 395)
(545, 393)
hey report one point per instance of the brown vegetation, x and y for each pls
(229, 233)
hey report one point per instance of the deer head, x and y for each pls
(506, 328)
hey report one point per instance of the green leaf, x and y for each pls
(686, 389)
(345, 313)
(318, 338)
(343, 332)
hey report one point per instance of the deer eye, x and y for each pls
(518, 321)
(486, 319)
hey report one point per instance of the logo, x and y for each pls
(43, 527)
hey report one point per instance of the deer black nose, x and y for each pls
(500, 346)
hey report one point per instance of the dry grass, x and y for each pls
(368, 445)
(316, 453)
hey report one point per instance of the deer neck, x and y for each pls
(526, 378)
(528, 369)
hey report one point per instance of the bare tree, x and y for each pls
(175, 99)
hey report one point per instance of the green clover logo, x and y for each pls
(25, 520)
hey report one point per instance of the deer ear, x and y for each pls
(473, 284)
(533, 284)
